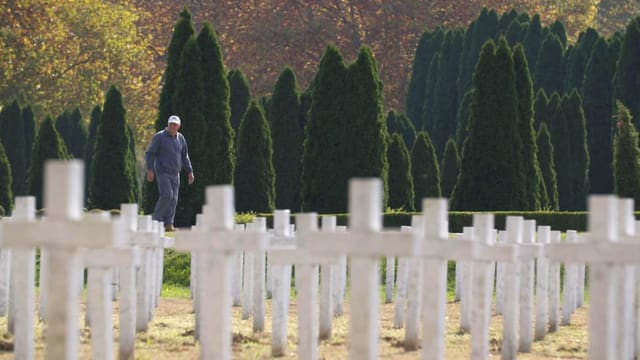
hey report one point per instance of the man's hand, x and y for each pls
(191, 178)
(150, 175)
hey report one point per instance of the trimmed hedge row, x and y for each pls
(561, 220)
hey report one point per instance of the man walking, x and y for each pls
(166, 156)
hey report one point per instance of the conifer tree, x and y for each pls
(220, 151)
(401, 194)
(598, 107)
(626, 85)
(450, 168)
(578, 61)
(626, 158)
(325, 139)
(577, 138)
(6, 195)
(63, 125)
(132, 163)
(188, 103)
(516, 32)
(491, 176)
(239, 96)
(29, 123)
(559, 131)
(424, 170)
(531, 167)
(532, 42)
(78, 139)
(445, 102)
(400, 123)
(550, 68)
(428, 45)
(484, 28)
(12, 136)
(462, 118)
(547, 168)
(427, 122)
(96, 115)
(540, 113)
(255, 175)
(182, 31)
(506, 19)
(287, 138)
(48, 145)
(558, 29)
(112, 179)
(365, 129)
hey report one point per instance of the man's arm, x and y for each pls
(186, 162)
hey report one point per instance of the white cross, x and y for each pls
(62, 234)
(215, 243)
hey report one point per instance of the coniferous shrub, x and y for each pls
(531, 167)
(626, 85)
(425, 170)
(48, 145)
(78, 139)
(577, 63)
(6, 195)
(400, 123)
(540, 113)
(579, 154)
(428, 122)
(239, 97)
(29, 123)
(558, 29)
(532, 42)
(547, 168)
(96, 115)
(550, 68)
(626, 158)
(112, 178)
(63, 125)
(220, 152)
(597, 90)
(491, 176)
(255, 175)
(287, 138)
(182, 31)
(559, 131)
(13, 140)
(462, 118)
(401, 194)
(450, 168)
(188, 100)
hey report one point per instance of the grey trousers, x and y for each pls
(168, 186)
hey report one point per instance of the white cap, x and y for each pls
(173, 119)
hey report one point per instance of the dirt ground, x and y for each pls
(170, 336)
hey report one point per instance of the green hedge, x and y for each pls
(560, 220)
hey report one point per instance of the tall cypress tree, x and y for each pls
(96, 115)
(182, 31)
(506, 19)
(220, 152)
(550, 68)
(462, 118)
(532, 42)
(78, 139)
(626, 82)
(63, 125)
(626, 158)
(540, 113)
(401, 195)
(491, 176)
(48, 145)
(188, 104)
(12, 135)
(428, 45)
(579, 58)
(424, 169)
(6, 195)
(559, 131)
(239, 97)
(598, 107)
(112, 180)
(547, 168)
(531, 167)
(450, 168)
(366, 138)
(446, 95)
(558, 29)
(287, 136)
(325, 140)
(516, 32)
(132, 164)
(29, 123)
(577, 137)
(400, 123)
(255, 175)
(431, 90)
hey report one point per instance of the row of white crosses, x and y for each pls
(68, 243)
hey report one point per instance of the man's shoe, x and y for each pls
(168, 228)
